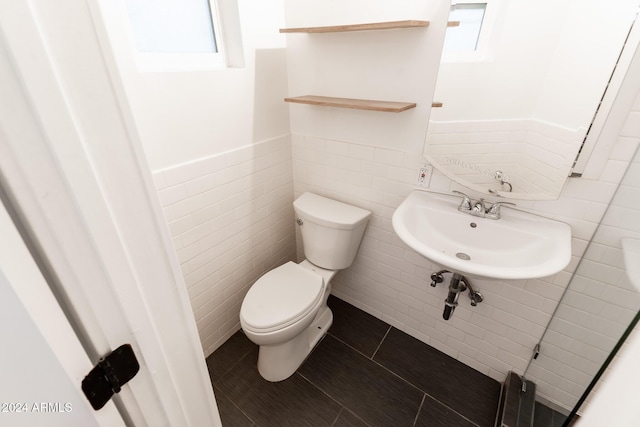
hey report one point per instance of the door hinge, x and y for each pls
(109, 375)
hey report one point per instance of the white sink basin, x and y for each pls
(517, 246)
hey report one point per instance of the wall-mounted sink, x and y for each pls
(520, 245)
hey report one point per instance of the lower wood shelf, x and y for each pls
(358, 27)
(359, 104)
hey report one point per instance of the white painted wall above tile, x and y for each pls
(392, 65)
(189, 115)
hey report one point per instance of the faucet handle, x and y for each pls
(479, 207)
(495, 208)
(466, 201)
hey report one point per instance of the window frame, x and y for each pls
(178, 61)
(485, 47)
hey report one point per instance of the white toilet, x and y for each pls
(285, 312)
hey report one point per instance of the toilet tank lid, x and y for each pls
(329, 212)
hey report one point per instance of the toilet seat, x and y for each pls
(280, 298)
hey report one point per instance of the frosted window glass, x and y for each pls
(172, 26)
(464, 38)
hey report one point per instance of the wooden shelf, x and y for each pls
(358, 104)
(358, 27)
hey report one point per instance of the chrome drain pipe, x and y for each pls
(457, 284)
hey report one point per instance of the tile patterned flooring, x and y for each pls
(547, 417)
(363, 373)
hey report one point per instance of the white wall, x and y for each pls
(483, 89)
(530, 70)
(183, 116)
(616, 392)
(392, 65)
(582, 60)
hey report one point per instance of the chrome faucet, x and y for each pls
(494, 210)
(465, 205)
(478, 207)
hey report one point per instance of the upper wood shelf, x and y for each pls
(358, 104)
(358, 27)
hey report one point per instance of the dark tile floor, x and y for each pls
(364, 372)
(547, 417)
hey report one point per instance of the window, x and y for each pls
(465, 36)
(175, 34)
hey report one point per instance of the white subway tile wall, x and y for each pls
(599, 303)
(231, 220)
(391, 281)
(535, 155)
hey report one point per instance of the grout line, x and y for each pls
(415, 420)
(218, 391)
(379, 364)
(233, 365)
(337, 416)
(404, 379)
(475, 423)
(501, 401)
(343, 407)
(381, 341)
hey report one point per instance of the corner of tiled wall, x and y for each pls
(231, 220)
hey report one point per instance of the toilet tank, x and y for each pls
(331, 230)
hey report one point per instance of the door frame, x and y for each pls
(37, 337)
(75, 174)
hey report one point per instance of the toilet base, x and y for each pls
(279, 362)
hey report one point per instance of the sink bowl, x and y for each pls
(519, 245)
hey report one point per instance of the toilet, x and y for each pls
(285, 312)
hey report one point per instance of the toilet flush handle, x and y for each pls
(299, 221)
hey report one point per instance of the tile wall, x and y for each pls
(535, 154)
(599, 303)
(231, 220)
(391, 281)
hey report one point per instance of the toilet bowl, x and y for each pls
(285, 312)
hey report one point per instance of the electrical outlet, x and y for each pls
(424, 175)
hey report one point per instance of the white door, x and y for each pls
(72, 168)
(42, 362)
